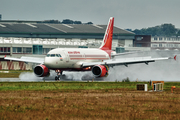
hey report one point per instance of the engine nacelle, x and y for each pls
(100, 71)
(41, 71)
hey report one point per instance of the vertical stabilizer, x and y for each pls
(107, 40)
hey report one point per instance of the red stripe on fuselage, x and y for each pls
(89, 58)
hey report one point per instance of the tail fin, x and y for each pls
(107, 40)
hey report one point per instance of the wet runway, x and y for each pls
(20, 80)
(38, 79)
(64, 80)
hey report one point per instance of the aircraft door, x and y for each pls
(66, 58)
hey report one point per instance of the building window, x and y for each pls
(37, 49)
(46, 50)
(160, 38)
(27, 50)
(155, 38)
(1, 50)
(138, 45)
(160, 45)
(176, 45)
(14, 49)
(4, 49)
(139, 38)
(17, 50)
(154, 45)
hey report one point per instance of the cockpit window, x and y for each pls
(53, 55)
(58, 55)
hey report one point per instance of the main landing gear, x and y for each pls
(59, 74)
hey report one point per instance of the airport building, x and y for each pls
(19, 38)
(165, 43)
(157, 43)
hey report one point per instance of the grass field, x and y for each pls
(86, 100)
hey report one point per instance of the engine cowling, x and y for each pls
(41, 71)
(100, 71)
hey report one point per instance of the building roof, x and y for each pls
(57, 29)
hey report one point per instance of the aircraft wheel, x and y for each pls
(56, 78)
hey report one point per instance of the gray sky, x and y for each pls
(128, 13)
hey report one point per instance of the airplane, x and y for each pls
(97, 60)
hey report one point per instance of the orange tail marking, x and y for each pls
(107, 40)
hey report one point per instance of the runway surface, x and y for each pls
(64, 80)
(46, 79)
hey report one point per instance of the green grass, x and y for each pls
(64, 85)
(76, 85)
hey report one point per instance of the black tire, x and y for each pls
(59, 77)
(56, 78)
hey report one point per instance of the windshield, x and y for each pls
(53, 55)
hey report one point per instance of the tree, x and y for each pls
(89, 23)
(178, 33)
(162, 30)
(129, 30)
(67, 21)
(77, 22)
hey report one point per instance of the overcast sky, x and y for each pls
(132, 14)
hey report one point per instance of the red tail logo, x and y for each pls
(107, 40)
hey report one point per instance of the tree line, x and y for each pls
(65, 21)
(160, 30)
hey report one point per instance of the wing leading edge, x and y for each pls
(126, 61)
(27, 59)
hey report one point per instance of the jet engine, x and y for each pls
(100, 71)
(41, 71)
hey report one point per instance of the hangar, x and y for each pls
(21, 37)
(18, 38)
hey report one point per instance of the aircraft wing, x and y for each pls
(27, 59)
(125, 53)
(125, 61)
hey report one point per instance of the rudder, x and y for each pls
(107, 40)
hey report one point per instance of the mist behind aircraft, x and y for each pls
(160, 70)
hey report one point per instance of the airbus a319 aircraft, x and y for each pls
(79, 59)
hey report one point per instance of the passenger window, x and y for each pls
(48, 55)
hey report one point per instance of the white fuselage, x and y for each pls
(72, 58)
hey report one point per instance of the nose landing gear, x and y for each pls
(59, 74)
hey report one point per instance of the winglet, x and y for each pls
(175, 57)
(107, 40)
